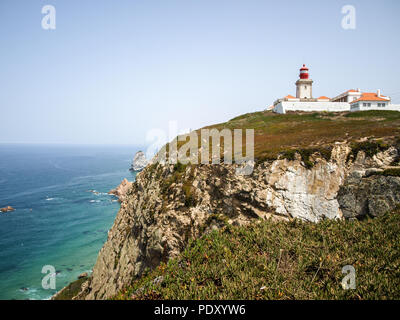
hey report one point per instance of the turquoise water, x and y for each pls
(63, 212)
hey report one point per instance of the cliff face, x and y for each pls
(168, 205)
(368, 195)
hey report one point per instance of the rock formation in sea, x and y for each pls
(169, 204)
(121, 190)
(7, 209)
(139, 162)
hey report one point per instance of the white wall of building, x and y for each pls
(284, 106)
(374, 106)
(348, 96)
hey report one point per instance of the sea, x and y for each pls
(62, 213)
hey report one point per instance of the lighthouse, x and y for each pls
(351, 100)
(304, 84)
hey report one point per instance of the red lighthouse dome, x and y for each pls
(304, 72)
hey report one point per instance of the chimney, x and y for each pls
(379, 92)
(358, 90)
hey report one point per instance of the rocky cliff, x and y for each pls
(169, 204)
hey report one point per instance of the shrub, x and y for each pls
(370, 148)
(283, 260)
(393, 172)
(305, 154)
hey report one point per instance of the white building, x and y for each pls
(373, 101)
(348, 96)
(351, 100)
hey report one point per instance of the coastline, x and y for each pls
(58, 221)
(73, 287)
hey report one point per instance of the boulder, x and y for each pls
(7, 209)
(139, 162)
(83, 275)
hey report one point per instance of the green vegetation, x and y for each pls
(385, 114)
(277, 133)
(71, 290)
(282, 260)
(393, 172)
(190, 200)
(178, 176)
(370, 148)
(178, 171)
(118, 256)
(305, 154)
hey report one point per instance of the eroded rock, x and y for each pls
(121, 191)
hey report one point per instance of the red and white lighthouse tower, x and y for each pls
(304, 84)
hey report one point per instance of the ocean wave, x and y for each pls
(54, 199)
(31, 293)
(98, 193)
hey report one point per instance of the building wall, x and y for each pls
(304, 88)
(304, 91)
(284, 106)
(374, 106)
(347, 97)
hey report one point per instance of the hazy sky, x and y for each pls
(112, 70)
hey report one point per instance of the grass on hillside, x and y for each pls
(71, 290)
(282, 260)
(276, 133)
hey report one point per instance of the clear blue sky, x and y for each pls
(112, 70)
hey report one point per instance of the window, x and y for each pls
(305, 87)
(364, 104)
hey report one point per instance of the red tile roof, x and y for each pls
(290, 97)
(371, 96)
(323, 97)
